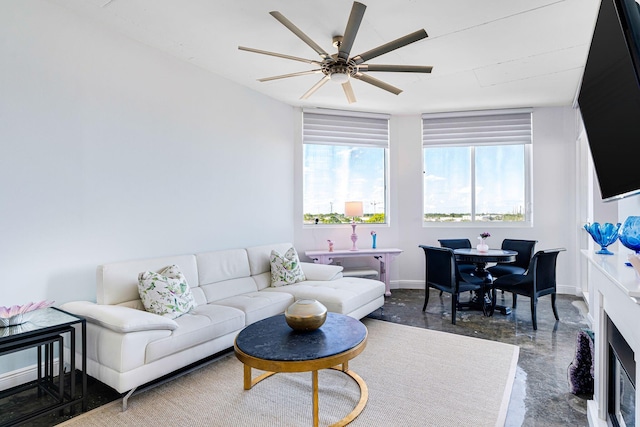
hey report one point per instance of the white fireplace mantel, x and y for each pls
(614, 290)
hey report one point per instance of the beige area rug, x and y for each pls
(415, 377)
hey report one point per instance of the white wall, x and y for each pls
(554, 172)
(113, 151)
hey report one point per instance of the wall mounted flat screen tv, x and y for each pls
(609, 98)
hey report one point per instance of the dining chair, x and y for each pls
(525, 250)
(537, 281)
(442, 273)
(465, 267)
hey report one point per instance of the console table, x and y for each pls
(384, 255)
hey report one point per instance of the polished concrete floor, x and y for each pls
(540, 395)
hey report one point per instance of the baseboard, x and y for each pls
(407, 284)
(22, 375)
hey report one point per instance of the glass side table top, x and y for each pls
(39, 321)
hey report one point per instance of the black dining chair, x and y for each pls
(537, 281)
(442, 273)
(525, 250)
(465, 267)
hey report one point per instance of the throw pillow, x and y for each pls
(285, 269)
(166, 293)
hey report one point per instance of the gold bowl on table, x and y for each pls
(305, 315)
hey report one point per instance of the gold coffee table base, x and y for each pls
(364, 391)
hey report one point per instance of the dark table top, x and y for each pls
(273, 339)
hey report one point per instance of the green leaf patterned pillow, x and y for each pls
(166, 293)
(285, 269)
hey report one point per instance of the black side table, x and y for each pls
(47, 327)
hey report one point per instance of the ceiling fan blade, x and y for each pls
(284, 76)
(355, 18)
(298, 32)
(348, 91)
(396, 68)
(279, 55)
(315, 87)
(392, 45)
(379, 83)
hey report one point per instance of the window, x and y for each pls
(477, 167)
(344, 159)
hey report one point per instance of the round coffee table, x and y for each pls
(271, 345)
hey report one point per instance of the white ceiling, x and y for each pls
(485, 54)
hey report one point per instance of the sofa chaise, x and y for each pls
(128, 347)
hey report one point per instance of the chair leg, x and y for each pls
(493, 301)
(515, 298)
(553, 305)
(534, 304)
(426, 298)
(454, 306)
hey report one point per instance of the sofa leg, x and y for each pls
(125, 399)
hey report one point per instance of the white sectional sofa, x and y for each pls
(128, 346)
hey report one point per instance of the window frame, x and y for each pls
(380, 138)
(484, 137)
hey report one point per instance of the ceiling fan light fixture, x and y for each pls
(339, 77)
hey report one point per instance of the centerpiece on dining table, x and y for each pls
(482, 246)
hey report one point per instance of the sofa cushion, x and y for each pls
(285, 269)
(314, 271)
(203, 323)
(117, 282)
(218, 266)
(339, 296)
(166, 293)
(259, 305)
(259, 257)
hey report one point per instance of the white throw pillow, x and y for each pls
(285, 269)
(166, 293)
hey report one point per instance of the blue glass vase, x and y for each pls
(629, 234)
(604, 235)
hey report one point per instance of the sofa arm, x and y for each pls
(321, 271)
(119, 318)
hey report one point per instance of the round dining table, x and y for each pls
(481, 259)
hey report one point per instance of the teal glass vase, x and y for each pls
(604, 235)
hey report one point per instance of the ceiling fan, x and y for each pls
(340, 67)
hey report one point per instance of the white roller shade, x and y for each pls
(479, 128)
(344, 129)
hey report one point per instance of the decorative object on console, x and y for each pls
(305, 315)
(330, 245)
(285, 269)
(482, 246)
(629, 234)
(373, 239)
(166, 293)
(19, 314)
(353, 209)
(603, 234)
